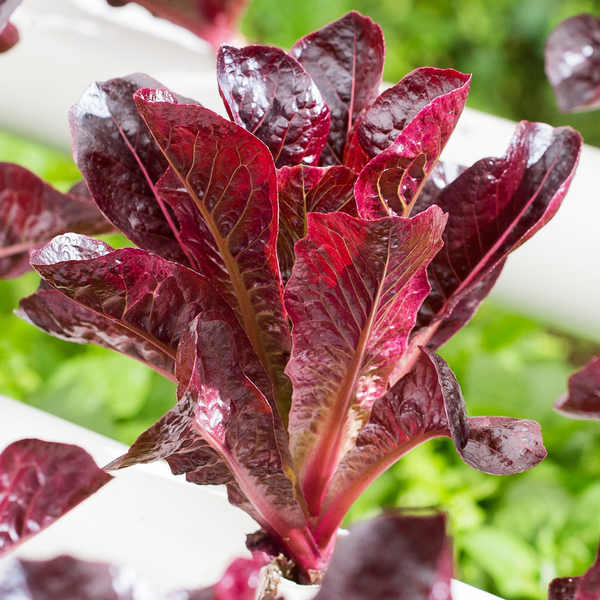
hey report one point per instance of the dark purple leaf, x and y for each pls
(64, 318)
(213, 20)
(397, 106)
(230, 177)
(309, 189)
(405, 152)
(586, 587)
(32, 213)
(223, 409)
(9, 35)
(425, 404)
(353, 296)
(67, 578)
(572, 57)
(270, 94)
(563, 588)
(395, 556)
(141, 292)
(39, 483)
(494, 207)
(122, 163)
(345, 60)
(583, 399)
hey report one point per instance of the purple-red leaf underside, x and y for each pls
(32, 213)
(270, 94)
(122, 163)
(65, 319)
(39, 483)
(345, 60)
(302, 190)
(573, 63)
(353, 296)
(583, 398)
(403, 158)
(494, 207)
(143, 293)
(230, 176)
(426, 403)
(405, 557)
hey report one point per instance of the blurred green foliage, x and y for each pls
(500, 41)
(512, 534)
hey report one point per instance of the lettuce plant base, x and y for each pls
(131, 521)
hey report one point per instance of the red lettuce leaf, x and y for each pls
(583, 399)
(213, 20)
(353, 297)
(122, 163)
(9, 35)
(405, 557)
(219, 406)
(68, 578)
(33, 212)
(586, 587)
(426, 403)
(391, 181)
(270, 94)
(397, 106)
(573, 64)
(309, 189)
(39, 483)
(141, 292)
(65, 319)
(494, 207)
(230, 177)
(345, 60)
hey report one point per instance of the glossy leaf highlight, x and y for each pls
(39, 483)
(345, 60)
(269, 93)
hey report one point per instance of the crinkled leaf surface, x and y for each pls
(427, 403)
(396, 107)
(213, 20)
(122, 163)
(270, 94)
(405, 557)
(405, 154)
(143, 293)
(39, 483)
(345, 60)
(230, 176)
(352, 298)
(33, 212)
(583, 398)
(494, 207)
(64, 318)
(304, 189)
(219, 406)
(572, 56)
(586, 587)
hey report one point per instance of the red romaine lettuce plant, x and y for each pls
(9, 35)
(299, 265)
